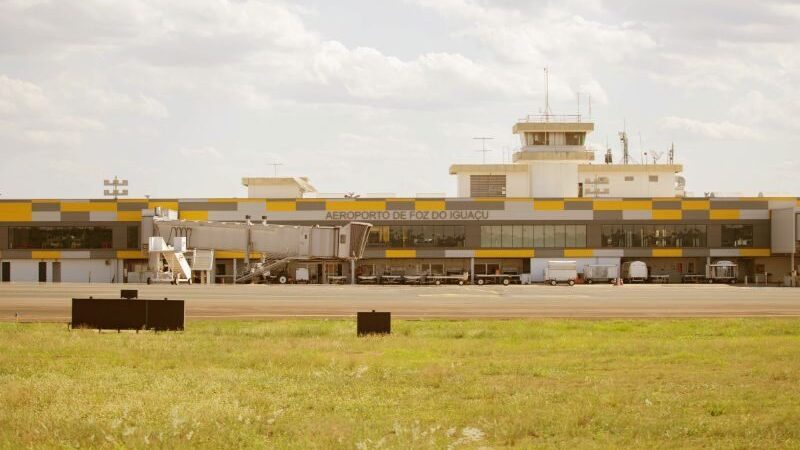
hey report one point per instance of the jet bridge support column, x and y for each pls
(472, 270)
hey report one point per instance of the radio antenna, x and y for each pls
(547, 111)
(483, 150)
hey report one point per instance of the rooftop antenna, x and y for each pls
(590, 106)
(609, 157)
(547, 111)
(115, 190)
(623, 137)
(275, 168)
(483, 150)
(656, 156)
(641, 149)
(672, 153)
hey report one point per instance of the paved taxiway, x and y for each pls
(51, 302)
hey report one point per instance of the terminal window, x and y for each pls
(650, 236)
(133, 236)
(411, 236)
(734, 236)
(60, 238)
(533, 236)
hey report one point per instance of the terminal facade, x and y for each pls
(552, 203)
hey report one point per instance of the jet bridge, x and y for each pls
(275, 245)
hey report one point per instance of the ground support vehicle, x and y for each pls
(459, 279)
(504, 278)
(722, 272)
(600, 273)
(635, 272)
(561, 272)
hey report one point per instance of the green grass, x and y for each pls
(433, 384)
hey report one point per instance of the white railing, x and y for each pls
(544, 118)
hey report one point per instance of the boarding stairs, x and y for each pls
(178, 265)
(178, 269)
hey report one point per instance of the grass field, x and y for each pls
(732, 383)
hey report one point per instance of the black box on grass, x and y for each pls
(374, 323)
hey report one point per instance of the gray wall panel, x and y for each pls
(75, 217)
(37, 207)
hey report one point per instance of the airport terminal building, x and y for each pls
(552, 203)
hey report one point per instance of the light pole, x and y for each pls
(115, 190)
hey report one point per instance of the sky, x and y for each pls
(184, 98)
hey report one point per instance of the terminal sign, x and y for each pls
(408, 215)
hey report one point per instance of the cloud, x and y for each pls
(206, 152)
(322, 87)
(713, 130)
(28, 115)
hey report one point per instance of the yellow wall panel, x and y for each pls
(723, 214)
(129, 216)
(578, 253)
(227, 254)
(505, 253)
(548, 205)
(695, 204)
(401, 253)
(131, 254)
(345, 205)
(45, 254)
(233, 254)
(193, 215)
(282, 206)
(667, 252)
(620, 205)
(15, 212)
(667, 214)
(755, 252)
(88, 206)
(429, 205)
(607, 205)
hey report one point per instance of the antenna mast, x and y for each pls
(483, 150)
(672, 153)
(623, 137)
(547, 111)
(275, 168)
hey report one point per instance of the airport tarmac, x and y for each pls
(52, 302)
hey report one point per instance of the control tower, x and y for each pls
(553, 147)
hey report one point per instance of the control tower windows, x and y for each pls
(536, 138)
(574, 138)
(554, 138)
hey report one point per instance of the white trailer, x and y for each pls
(600, 273)
(561, 272)
(634, 272)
